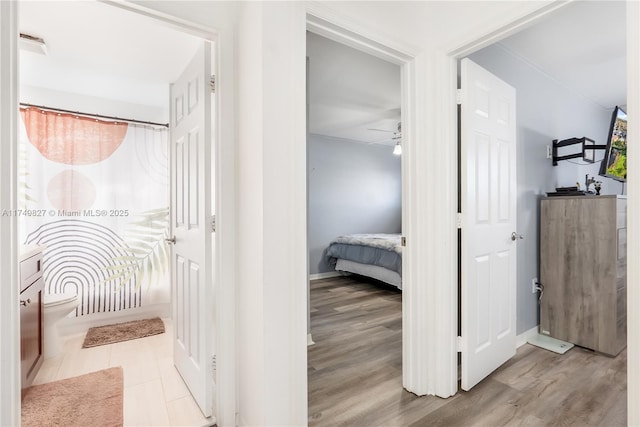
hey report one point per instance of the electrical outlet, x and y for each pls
(534, 285)
(549, 152)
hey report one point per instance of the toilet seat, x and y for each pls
(51, 300)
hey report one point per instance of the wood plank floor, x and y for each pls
(355, 373)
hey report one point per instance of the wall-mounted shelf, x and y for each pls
(587, 153)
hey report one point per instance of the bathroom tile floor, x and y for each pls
(154, 393)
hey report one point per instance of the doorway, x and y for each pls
(354, 200)
(539, 82)
(74, 92)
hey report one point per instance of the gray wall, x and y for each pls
(545, 111)
(353, 188)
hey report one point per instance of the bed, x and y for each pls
(378, 256)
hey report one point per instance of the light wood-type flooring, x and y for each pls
(154, 393)
(355, 373)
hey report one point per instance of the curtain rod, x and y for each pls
(100, 116)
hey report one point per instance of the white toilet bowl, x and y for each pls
(56, 307)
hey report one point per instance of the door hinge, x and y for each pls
(213, 224)
(403, 241)
(459, 344)
(459, 220)
(212, 83)
(214, 367)
(459, 96)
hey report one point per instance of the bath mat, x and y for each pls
(109, 334)
(93, 399)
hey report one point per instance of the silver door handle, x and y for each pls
(516, 236)
(25, 303)
(171, 241)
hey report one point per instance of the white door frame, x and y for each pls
(9, 314)
(420, 270)
(225, 215)
(633, 215)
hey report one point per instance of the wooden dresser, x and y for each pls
(583, 268)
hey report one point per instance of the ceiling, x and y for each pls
(352, 95)
(104, 51)
(101, 50)
(583, 47)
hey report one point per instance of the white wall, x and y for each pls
(271, 329)
(251, 377)
(545, 111)
(353, 188)
(93, 105)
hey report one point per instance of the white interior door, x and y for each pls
(191, 225)
(488, 150)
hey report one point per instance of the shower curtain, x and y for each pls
(96, 194)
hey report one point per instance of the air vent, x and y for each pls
(32, 44)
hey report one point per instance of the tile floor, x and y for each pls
(154, 393)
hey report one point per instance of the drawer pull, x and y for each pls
(25, 303)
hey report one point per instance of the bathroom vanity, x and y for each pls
(31, 313)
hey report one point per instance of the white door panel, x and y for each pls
(192, 250)
(489, 217)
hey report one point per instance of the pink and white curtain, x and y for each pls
(96, 194)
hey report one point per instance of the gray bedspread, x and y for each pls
(383, 250)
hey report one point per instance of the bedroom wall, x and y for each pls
(353, 188)
(546, 110)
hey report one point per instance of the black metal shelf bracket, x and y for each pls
(588, 144)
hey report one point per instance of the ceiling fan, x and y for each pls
(395, 133)
(397, 137)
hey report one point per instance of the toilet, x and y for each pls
(56, 307)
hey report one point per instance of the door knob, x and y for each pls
(25, 302)
(516, 236)
(171, 241)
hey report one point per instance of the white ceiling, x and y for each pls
(582, 46)
(104, 51)
(101, 50)
(351, 92)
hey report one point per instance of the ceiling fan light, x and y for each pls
(397, 150)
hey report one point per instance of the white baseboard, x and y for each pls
(76, 325)
(309, 340)
(326, 275)
(523, 337)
